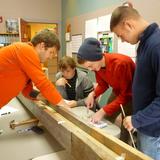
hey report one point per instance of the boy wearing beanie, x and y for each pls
(111, 70)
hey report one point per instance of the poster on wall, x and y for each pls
(69, 49)
(76, 42)
(12, 26)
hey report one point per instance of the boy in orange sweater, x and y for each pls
(20, 65)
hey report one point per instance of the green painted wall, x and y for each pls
(71, 8)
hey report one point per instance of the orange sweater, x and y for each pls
(19, 65)
(118, 74)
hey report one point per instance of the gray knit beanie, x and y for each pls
(90, 50)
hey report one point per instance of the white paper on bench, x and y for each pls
(99, 124)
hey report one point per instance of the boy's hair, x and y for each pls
(80, 60)
(121, 13)
(66, 62)
(49, 38)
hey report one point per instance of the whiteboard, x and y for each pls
(91, 28)
(104, 23)
(126, 48)
(100, 24)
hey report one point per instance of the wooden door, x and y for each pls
(24, 31)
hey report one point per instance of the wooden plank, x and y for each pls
(85, 146)
(57, 131)
(108, 140)
(74, 140)
(63, 134)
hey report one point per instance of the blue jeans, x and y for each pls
(149, 145)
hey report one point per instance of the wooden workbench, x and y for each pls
(80, 139)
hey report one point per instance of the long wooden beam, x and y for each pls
(108, 140)
(79, 138)
(78, 143)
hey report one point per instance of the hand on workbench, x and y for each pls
(118, 120)
(127, 122)
(98, 116)
(62, 103)
(61, 82)
(40, 97)
(72, 103)
(89, 101)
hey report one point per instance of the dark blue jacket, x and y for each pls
(146, 84)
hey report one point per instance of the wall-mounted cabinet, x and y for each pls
(8, 38)
(16, 30)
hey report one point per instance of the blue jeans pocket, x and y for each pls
(149, 145)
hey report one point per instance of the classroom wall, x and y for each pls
(32, 10)
(76, 12)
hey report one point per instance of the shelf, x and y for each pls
(9, 33)
(8, 38)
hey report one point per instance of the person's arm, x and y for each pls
(101, 87)
(30, 64)
(60, 85)
(34, 93)
(87, 88)
(127, 122)
(98, 116)
(125, 73)
(89, 101)
(151, 113)
(29, 92)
